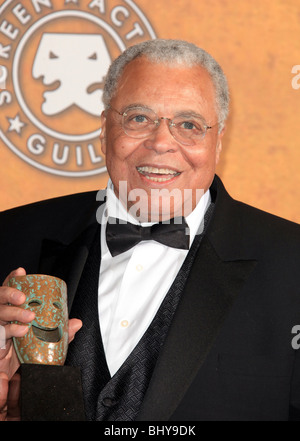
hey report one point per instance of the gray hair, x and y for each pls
(171, 52)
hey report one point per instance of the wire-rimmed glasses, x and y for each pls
(188, 128)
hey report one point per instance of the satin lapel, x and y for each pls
(205, 303)
(67, 261)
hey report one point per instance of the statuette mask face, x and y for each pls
(46, 342)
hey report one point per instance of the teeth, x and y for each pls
(157, 179)
(161, 171)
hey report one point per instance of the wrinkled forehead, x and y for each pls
(143, 79)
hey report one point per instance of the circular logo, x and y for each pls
(53, 60)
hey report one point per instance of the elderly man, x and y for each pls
(187, 298)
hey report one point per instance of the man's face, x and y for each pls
(169, 91)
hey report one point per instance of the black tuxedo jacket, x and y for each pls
(229, 353)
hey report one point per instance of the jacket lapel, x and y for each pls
(217, 276)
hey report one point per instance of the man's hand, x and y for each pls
(9, 397)
(74, 326)
(10, 300)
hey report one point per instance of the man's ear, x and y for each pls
(219, 145)
(103, 132)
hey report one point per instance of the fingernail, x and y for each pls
(22, 330)
(18, 296)
(2, 337)
(28, 316)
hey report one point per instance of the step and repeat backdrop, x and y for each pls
(54, 55)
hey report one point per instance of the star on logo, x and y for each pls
(71, 1)
(15, 124)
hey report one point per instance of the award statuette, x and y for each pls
(50, 391)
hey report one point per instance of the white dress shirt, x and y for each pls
(132, 285)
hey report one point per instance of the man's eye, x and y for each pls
(137, 121)
(188, 125)
(192, 126)
(140, 119)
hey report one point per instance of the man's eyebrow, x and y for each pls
(134, 106)
(189, 113)
(185, 112)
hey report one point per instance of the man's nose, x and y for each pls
(161, 140)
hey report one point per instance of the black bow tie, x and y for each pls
(121, 237)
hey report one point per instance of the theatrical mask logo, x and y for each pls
(54, 56)
(76, 71)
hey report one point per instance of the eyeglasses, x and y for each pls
(187, 128)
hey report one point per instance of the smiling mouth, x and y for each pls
(156, 174)
(50, 335)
